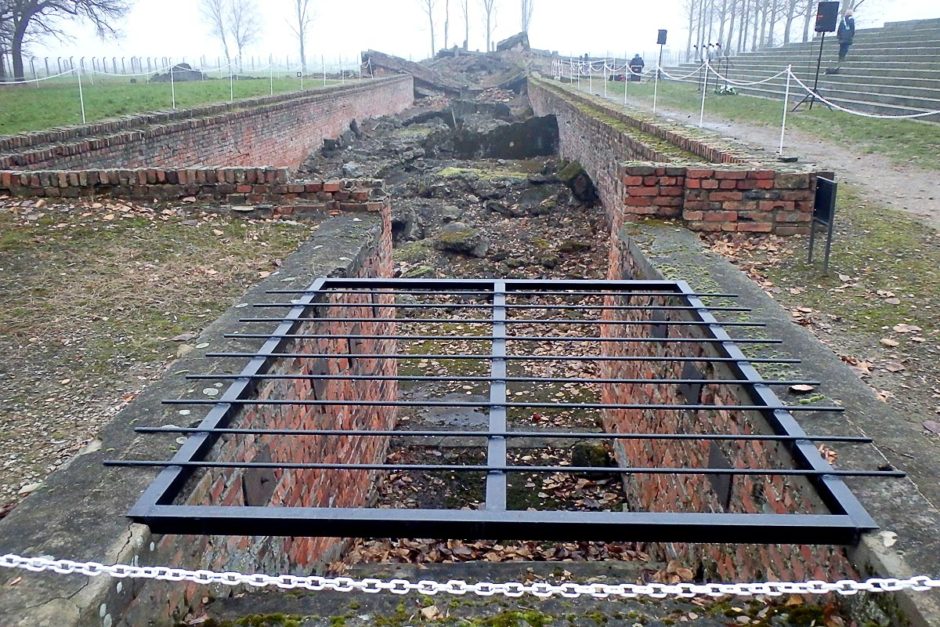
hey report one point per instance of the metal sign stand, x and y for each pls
(824, 213)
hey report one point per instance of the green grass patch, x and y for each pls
(56, 103)
(908, 142)
(117, 291)
(874, 250)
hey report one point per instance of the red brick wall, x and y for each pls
(730, 190)
(232, 186)
(275, 131)
(308, 488)
(722, 198)
(695, 493)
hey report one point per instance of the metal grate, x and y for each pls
(526, 338)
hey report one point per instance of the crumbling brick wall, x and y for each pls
(291, 488)
(276, 130)
(645, 168)
(701, 493)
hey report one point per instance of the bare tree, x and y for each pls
(244, 26)
(216, 12)
(302, 19)
(446, 21)
(43, 16)
(465, 5)
(691, 8)
(489, 7)
(528, 6)
(428, 7)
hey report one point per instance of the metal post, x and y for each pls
(81, 94)
(656, 87)
(172, 88)
(786, 106)
(605, 77)
(701, 115)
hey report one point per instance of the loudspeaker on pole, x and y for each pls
(827, 16)
(661, 37)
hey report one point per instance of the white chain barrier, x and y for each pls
(819, 97)
(845, 587)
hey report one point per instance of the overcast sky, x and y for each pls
(344, 27)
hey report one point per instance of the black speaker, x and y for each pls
(827, 16)
(661, 37)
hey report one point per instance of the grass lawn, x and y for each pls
(127, 280)
(907, 142)
(56, 102)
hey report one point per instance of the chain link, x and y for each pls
(845, 587)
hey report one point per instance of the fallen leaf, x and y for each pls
(887, 341)
(185, 337)
(893, 366)
(801, 388)
(217, 233)
(905, 328)
(430, 612)
(893, 301)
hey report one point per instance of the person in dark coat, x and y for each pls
(636, 67)
(845, 34)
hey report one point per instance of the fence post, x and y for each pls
(605, 77)
(701, 115)
(172, 88)
(656, 86)
(81, 94)
(786, 105)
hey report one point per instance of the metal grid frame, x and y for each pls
(845, 521)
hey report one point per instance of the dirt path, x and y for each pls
(881, 182)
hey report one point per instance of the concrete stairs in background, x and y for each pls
(894, 70)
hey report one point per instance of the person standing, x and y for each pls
(845, 34)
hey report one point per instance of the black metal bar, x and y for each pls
(490, 306)
(760, 360)
(488, 379)
(625, 293)
(534, 405)
(164, 488)
(487, 338)
(510, 321)
(833, 491)
(485, 468)
(495, 499)
(614, 526)
(563, 435)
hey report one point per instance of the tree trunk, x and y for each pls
(431, 25)
(16, 49)
(807, 18)
(756, 33)
(721, 21)
(688, 44)
(729, 44)
(772, 23)
(446, 21)
(701, 27)
(745, 22)
(763, 25)
(711, 19)
(488, 33)
(791, 15)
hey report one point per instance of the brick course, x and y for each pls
(170, 602)
(273, 130)
(733, 190)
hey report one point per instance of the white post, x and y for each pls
(81, 94)
(231, 84)
(626, 76)
(172, 88)
(786, 105)
(590, 76)
(271, 74)
(579, 74)
(301, 79)
(656, 86)
(701, 115)
(605, 77)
